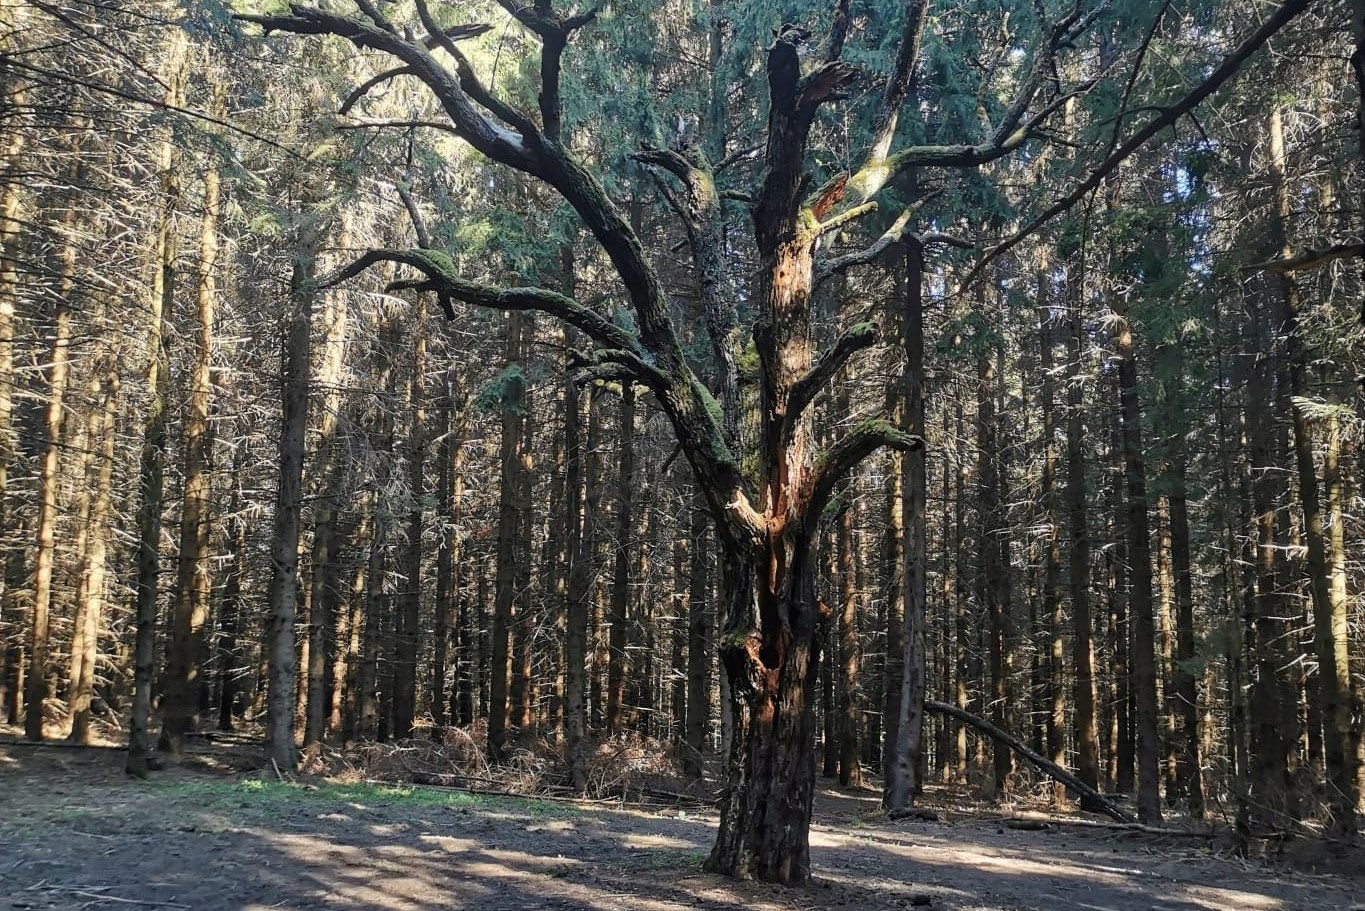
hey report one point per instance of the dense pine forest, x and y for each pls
(730, 399)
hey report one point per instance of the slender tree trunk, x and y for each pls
(409, 615)
(151, 463)
(620, 589)
(1082, 622)
(699, 622)
(903, 780)
(325, 651)
(1052, 555)
(282, 595)
(850, 658)
(90, 607)
(1143, 636)
(57, 374)
(186, 652)
(510, 522)
(1329, 621)
(11, 206)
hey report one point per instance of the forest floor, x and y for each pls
(76, 833)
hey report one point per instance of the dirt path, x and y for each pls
(76, 834)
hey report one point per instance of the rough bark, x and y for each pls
(902, 775)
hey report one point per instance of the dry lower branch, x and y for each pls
(1046, 765)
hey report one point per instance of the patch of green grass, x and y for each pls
(261, 794)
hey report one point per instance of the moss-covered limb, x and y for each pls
(845, 455)
(854, 339)
(441, 277)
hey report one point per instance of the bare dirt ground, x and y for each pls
(75, 833)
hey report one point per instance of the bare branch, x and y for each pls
(838, 31)
(1309, 259)
(1215, 80)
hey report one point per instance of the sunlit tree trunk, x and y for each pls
(151, 463)
(57, 373)
(186, 652)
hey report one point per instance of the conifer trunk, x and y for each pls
(187, 649)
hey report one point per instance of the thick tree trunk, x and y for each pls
(765, 813)
(186, 652)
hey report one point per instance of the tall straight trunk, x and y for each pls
(90, 597)
(11, 206)
(617, 657)
(324, 623)
(1052, 555)
(282, 595)
(992, 570)
(677, 633)
(151, 461)
(903, 773)
(1186, 681)
(699, 623)
(579, 549)
(963, 657)
(1086, 729)
(446, 543)
(1140, 605)
(186, 652)
(57, 373)
(510, 522)
(1329, 621)
(230, 663)
(850, 657)
(1165, 595)
(409, 615)
(1122, 744)
(1352, 781)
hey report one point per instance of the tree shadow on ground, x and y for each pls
(78, 834)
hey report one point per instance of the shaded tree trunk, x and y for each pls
(282, 595)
